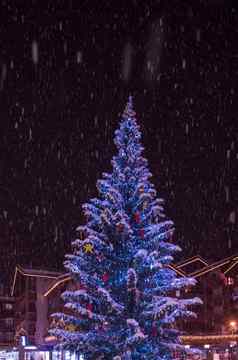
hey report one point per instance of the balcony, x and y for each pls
(6, 337)
(6, 314)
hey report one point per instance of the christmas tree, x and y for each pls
(125, 304)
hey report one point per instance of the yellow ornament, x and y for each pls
(88, 248)
(70, 327)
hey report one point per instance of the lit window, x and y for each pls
(8, 306)
(229, 281)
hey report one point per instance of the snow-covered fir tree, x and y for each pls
(125, 304)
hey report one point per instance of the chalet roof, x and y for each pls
(192, 260)
(55, 283)
(38, 272)
(224, 265)
(30, 272)
(181, 268)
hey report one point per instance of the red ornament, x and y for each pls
(89, 307)
(105, 277)
(120, 227)
(81, 287)
(137, 217)
(142, 233)
(154, 331)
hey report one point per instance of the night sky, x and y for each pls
(66, 70)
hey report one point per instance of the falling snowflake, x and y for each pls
(35, 52)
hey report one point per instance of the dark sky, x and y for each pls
(66, 70)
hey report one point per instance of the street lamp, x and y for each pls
(233, 326)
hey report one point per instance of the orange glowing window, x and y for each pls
(229, 281)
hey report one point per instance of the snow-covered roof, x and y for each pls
(40, 273)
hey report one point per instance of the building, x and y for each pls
(210, 288)
(7, 321)
(217, 286)
(37, 297)
(31, 306)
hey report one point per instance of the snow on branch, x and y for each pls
(85, 312)
(141, 254)
(77, 295)
(178, 313)
(166, 246)
(138, 334)
(65, 318)
(158, 229)
(183, 282)
(109, 300)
